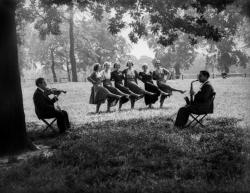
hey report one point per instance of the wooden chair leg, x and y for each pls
(49, 125)
(198, 121)
(194, 118)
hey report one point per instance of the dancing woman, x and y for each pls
(159, 75)
(118, 77)
(147, 78)
(108, 85)
(99, 94)
(130, 80)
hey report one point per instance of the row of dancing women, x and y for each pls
(126, 88)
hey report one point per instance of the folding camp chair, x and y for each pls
(197, 118)
(49, 125)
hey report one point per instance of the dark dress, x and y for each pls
(147, 79)
(99, 94)
(130, 81)
(161, 82)
(118, 77)
(108, 85)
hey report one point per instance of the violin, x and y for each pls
(54, 91)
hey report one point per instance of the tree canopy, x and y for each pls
(167, 18)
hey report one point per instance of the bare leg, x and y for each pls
(162, 100)
(108, 107)
(149, 93)
(177, 90)
(98, 107)
(120, 105)
(135, 95)
(165, 94)
(114, 95)
(132, 103)
(122, 93)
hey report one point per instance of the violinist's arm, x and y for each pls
(49, 92)
(40, 102)
(54, 99)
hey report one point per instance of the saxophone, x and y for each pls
(191, 100)
(191, 91)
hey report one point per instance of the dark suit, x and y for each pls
(44, 108)
(202, 104)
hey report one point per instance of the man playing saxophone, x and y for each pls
(44, 105)
(202, 102)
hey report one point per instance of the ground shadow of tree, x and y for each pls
(138, 155)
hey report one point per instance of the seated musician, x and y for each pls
(44, 105)
(201, 103)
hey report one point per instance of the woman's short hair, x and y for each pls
(96, 66)
(130, 62)
(115, 64)
(157, 61)
(106, 64)
(144, 65)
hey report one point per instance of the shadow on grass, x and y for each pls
(138, 156)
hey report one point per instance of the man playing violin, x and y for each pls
(202, 103)
(44, 105)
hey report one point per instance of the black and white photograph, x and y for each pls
(124, 96)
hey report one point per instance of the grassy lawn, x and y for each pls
(138, 151)
(137, 155)
(232, 100)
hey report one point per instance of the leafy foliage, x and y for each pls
(227, 52)
(48, 19)
(23, 15)
(165, 18)
(229, 56)
(180, 55)
(95, 44)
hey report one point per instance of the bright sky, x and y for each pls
(139, 49)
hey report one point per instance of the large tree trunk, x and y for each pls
(72, 45)
(68, 71)
(53, 65)
(13, 136)
(177, 70)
